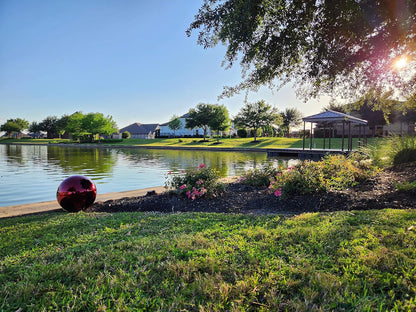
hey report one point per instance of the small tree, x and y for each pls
(256, 115)
(175, 123)
(291, 117)
(14, 125)
(220, 120)
(200, 117)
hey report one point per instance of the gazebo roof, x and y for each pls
(332, 116)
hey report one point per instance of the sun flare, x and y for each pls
(400, 62)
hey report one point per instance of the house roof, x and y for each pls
(333, 116)
(138, 128)
(183, 116)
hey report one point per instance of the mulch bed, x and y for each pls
(377, 193)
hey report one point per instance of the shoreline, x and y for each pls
(50, 206)
(190, 148)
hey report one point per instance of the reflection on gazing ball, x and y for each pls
(76, 193)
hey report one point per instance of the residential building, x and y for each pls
(142, 131)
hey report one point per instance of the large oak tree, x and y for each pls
(343, 47)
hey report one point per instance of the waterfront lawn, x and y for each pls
(343, 261)
(212, 143)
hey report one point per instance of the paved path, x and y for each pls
(19, 210)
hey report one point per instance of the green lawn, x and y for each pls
(224, 143)
(344, 261)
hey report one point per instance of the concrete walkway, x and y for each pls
(20, 210)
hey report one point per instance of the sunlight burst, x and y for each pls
(400, 62)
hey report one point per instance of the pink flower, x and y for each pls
(182, 171)
(278, 192)
(198, 182)
(170, 172)
(188, 193)
(201, 166)
(183, 186)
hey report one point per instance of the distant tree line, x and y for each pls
(82, 127)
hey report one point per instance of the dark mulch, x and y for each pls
(377, 193)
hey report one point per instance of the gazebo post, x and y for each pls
(324, 135)
(330, 135)
(304, 133)
(359, 136)
(310, 137)
(343, 132)
(365, 138)
(349, 137)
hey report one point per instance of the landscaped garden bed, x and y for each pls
(378, 192)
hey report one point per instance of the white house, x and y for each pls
(165, 131)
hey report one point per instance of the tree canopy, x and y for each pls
(199, 117)
(87, 126)
(257, 115)
(14, 125)
(220, 120)
(291, 117)
(175, 123)
(345, 47)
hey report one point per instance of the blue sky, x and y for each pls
(130, 59)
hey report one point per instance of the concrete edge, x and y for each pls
(49, 206)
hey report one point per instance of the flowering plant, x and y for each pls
(195, 183)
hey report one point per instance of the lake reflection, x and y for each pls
(33, 173)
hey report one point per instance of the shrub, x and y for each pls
(334, 172)
(406, 186)
(242, 133)
(125, 135)
(195, 183)
(404, 156)
(261, 176)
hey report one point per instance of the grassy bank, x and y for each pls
(352, 261)
(212, 143)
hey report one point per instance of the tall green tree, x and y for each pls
(35, 127)
(175, 123)
(49, 124)
(200, 117)
(88, 126)
(75, 127)
(341, 47)
(257, 115)
(96, 124)
(14, 125)
(220, 119)
(61, 124)
(291, 117)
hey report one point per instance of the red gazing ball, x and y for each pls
(76, 193)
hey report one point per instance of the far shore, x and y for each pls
(263, 144)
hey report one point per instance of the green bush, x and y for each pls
(195, 183)
(242, 133)
(261, 176)
(404, 156)
(406, 186)
(125, 135)
(334, 172)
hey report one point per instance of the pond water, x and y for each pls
(32, 173)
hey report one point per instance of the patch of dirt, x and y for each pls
(377, 193)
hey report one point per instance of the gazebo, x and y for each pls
(327, 119)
